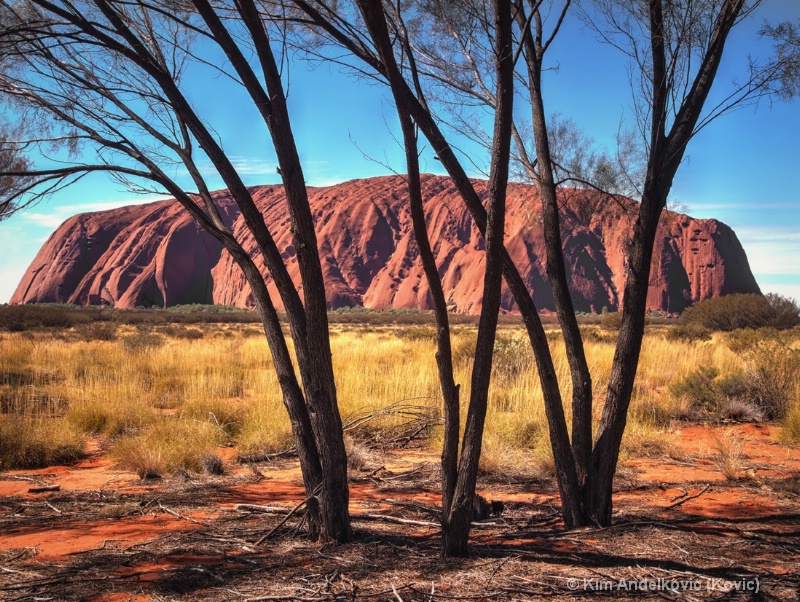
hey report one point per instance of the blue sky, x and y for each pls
(739, 170)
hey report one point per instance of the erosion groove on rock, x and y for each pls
(155, 255)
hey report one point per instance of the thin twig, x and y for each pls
(44, 489)
(264, 509)
(394, 519)
(690, 497)
(179, 516)
(291, 512)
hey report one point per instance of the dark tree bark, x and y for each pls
(459, 477)
(375, 20)
(313, 409)
(534, 51)
(407, 96)
(666, 152)
(457, 521)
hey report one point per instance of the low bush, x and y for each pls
(729, 457)
(612, 320)
(182, 332)
(744, 311)
(689, 333)
(37, 443)
(17, 318)
(763, 390)
(698, 387)
(512, 356)
(97, 331)
(213, 464)
(142, 341)
(167, 446)
(773, 373)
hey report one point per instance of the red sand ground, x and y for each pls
(656, 484)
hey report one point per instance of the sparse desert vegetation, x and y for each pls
(165, 395)
(174, 430)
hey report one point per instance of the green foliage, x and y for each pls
(744, 311)
(689, 332)
(142, 342)
(764, 390)
(698, 387)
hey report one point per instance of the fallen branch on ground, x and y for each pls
(689, 497)
(44, 489)
(291, 512)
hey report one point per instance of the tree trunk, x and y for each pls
(457, 520)
(309, 321)
(375, 19)
(666, 154)
(293, 399)
(599, 486)
(557, 425)
(556, 269)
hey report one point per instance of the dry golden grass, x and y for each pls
(167, 445)
(28, 442)
(139, 387)
(729, 458)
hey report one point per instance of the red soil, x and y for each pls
(62, 537)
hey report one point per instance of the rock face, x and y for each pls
(154, 255)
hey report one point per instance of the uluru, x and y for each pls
(155, 255)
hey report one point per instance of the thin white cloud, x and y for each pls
(46, 220)
(244, 165)
(771, 250)
(787, 290)
(58, 214)
(251, 166)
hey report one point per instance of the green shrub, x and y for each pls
(142, 342)
(689, 333)
(765, 388)
(772, 377)
(744, 311)
(698, 387)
